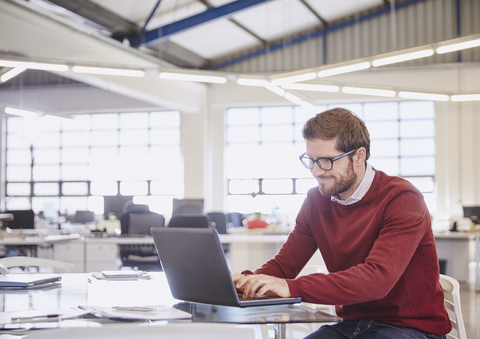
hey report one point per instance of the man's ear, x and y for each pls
(359, 157)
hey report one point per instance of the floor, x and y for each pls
(470, 300)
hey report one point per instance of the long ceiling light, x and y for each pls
(34, 65)
(294, 78)
(193, 77)
(109, 71)
(402, 57)
(308, 106)
(252, 82)
(58, 118)
(11, 74)
(458, 46)
(423, 96)
(312, 87)
(369, 91)
(465, 97)
(293, 98)
(20, 112)
(275, 89)
(344, 69)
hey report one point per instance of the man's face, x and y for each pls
(340, 180)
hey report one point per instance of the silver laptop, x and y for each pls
(196, 269)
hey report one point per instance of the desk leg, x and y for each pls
(477, 263)
(280, 330)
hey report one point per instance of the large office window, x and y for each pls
(72, 165)
(263, 144)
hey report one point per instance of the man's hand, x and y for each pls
(260, 284)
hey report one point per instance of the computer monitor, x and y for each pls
(472, 212)
(187, 207)
(22, 219)
(114, 204)
(84, 216)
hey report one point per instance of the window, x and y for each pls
(263, 145)
(73, 165)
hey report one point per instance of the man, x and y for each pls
(374, 233)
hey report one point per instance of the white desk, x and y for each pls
(77, 290)
(453, 247)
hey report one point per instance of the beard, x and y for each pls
(341, 183)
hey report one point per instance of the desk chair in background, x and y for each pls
(220, 219)
(143, 257)
(200, 221)
(42, 265)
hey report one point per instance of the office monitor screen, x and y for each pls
(472, 212)
(114, 204)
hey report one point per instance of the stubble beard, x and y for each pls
(341, 183)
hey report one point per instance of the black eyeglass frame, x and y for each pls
(304, 155)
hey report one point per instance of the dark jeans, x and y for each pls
(365, 329)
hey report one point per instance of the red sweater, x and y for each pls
(380, 253)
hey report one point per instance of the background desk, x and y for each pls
(453, 247)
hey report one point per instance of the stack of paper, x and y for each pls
(159, 312)
(121, 275)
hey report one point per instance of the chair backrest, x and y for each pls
(220, 220)
(140, 223)
(451, 289)
(130, 207)
(200, 221)
(59, 266)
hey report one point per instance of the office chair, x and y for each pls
(143, 257)
(200, 221)
(24, 264)
(128, 208)
(451, 289)
(220, 220)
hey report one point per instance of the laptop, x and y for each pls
(196, 269)
(25, 280)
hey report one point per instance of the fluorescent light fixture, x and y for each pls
(423, 96)
(58, 118)
(311, 87)
(20, 112)
(343, 69)
(369, 91)
(275, 89)
(293, 98)
(465, 97)
(458, 46)
(308, 106)
(11, 73)
(109, 71)
(33, 65)
(402, 57)
(294, 78)
(252, 82)
(193, 77)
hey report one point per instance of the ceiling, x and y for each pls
(196, 34)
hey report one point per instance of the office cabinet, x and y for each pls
(72, 252)
(100, 255)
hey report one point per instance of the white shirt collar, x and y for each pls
(362, 189)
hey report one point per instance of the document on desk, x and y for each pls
(159, 312)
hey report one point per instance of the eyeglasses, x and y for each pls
(324, 163)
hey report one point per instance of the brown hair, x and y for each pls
(340, 123)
